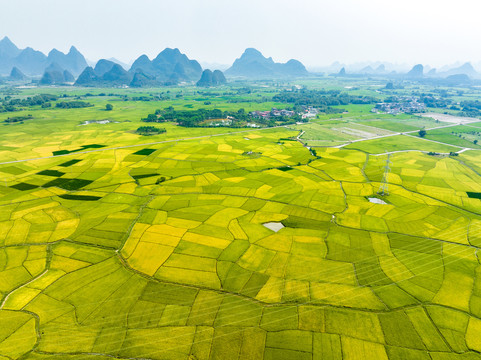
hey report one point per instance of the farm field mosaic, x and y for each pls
(117, 245)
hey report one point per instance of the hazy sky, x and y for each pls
(316, 32)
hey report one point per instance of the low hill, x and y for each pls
(87, 77)
(143, 80)
(116, 76)
(17, 75)
(68, 76)
(55, 75)
(210, 78)
(416, 72)
(103, 66)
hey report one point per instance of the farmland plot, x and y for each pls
(160, 252)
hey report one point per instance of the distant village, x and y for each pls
(306, 113)
(402, 104)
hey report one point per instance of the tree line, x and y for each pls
(321, 98)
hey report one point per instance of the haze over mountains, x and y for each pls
(32, 62)
(172, 67)
(169, 67)
(378, 68)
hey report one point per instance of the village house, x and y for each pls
(403, 104)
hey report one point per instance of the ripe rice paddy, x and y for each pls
(161, 251)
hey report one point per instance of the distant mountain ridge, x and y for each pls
(32, 62)
(169, 66)
(253, 64)
(464, 74)
(466, 69)
(172, 67)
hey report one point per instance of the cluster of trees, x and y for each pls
(73, 104)
(150, 130)
(195, 118)
(149, 98)
(322, 98)
(435, 102)
(16, 119)
(9, 104)
(471, 108)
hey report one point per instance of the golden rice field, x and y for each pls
(161, 252)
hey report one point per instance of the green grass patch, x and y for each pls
(68, 184)
(145, 152)
(70, 163)
(80, 197)
(13, 170)
(82, 148)
(473, 195)
(300, 222)
(143, 176)
(54, 173)
(24, 186)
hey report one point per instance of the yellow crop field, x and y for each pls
(221, 242)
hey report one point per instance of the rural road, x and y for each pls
(407, 133)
